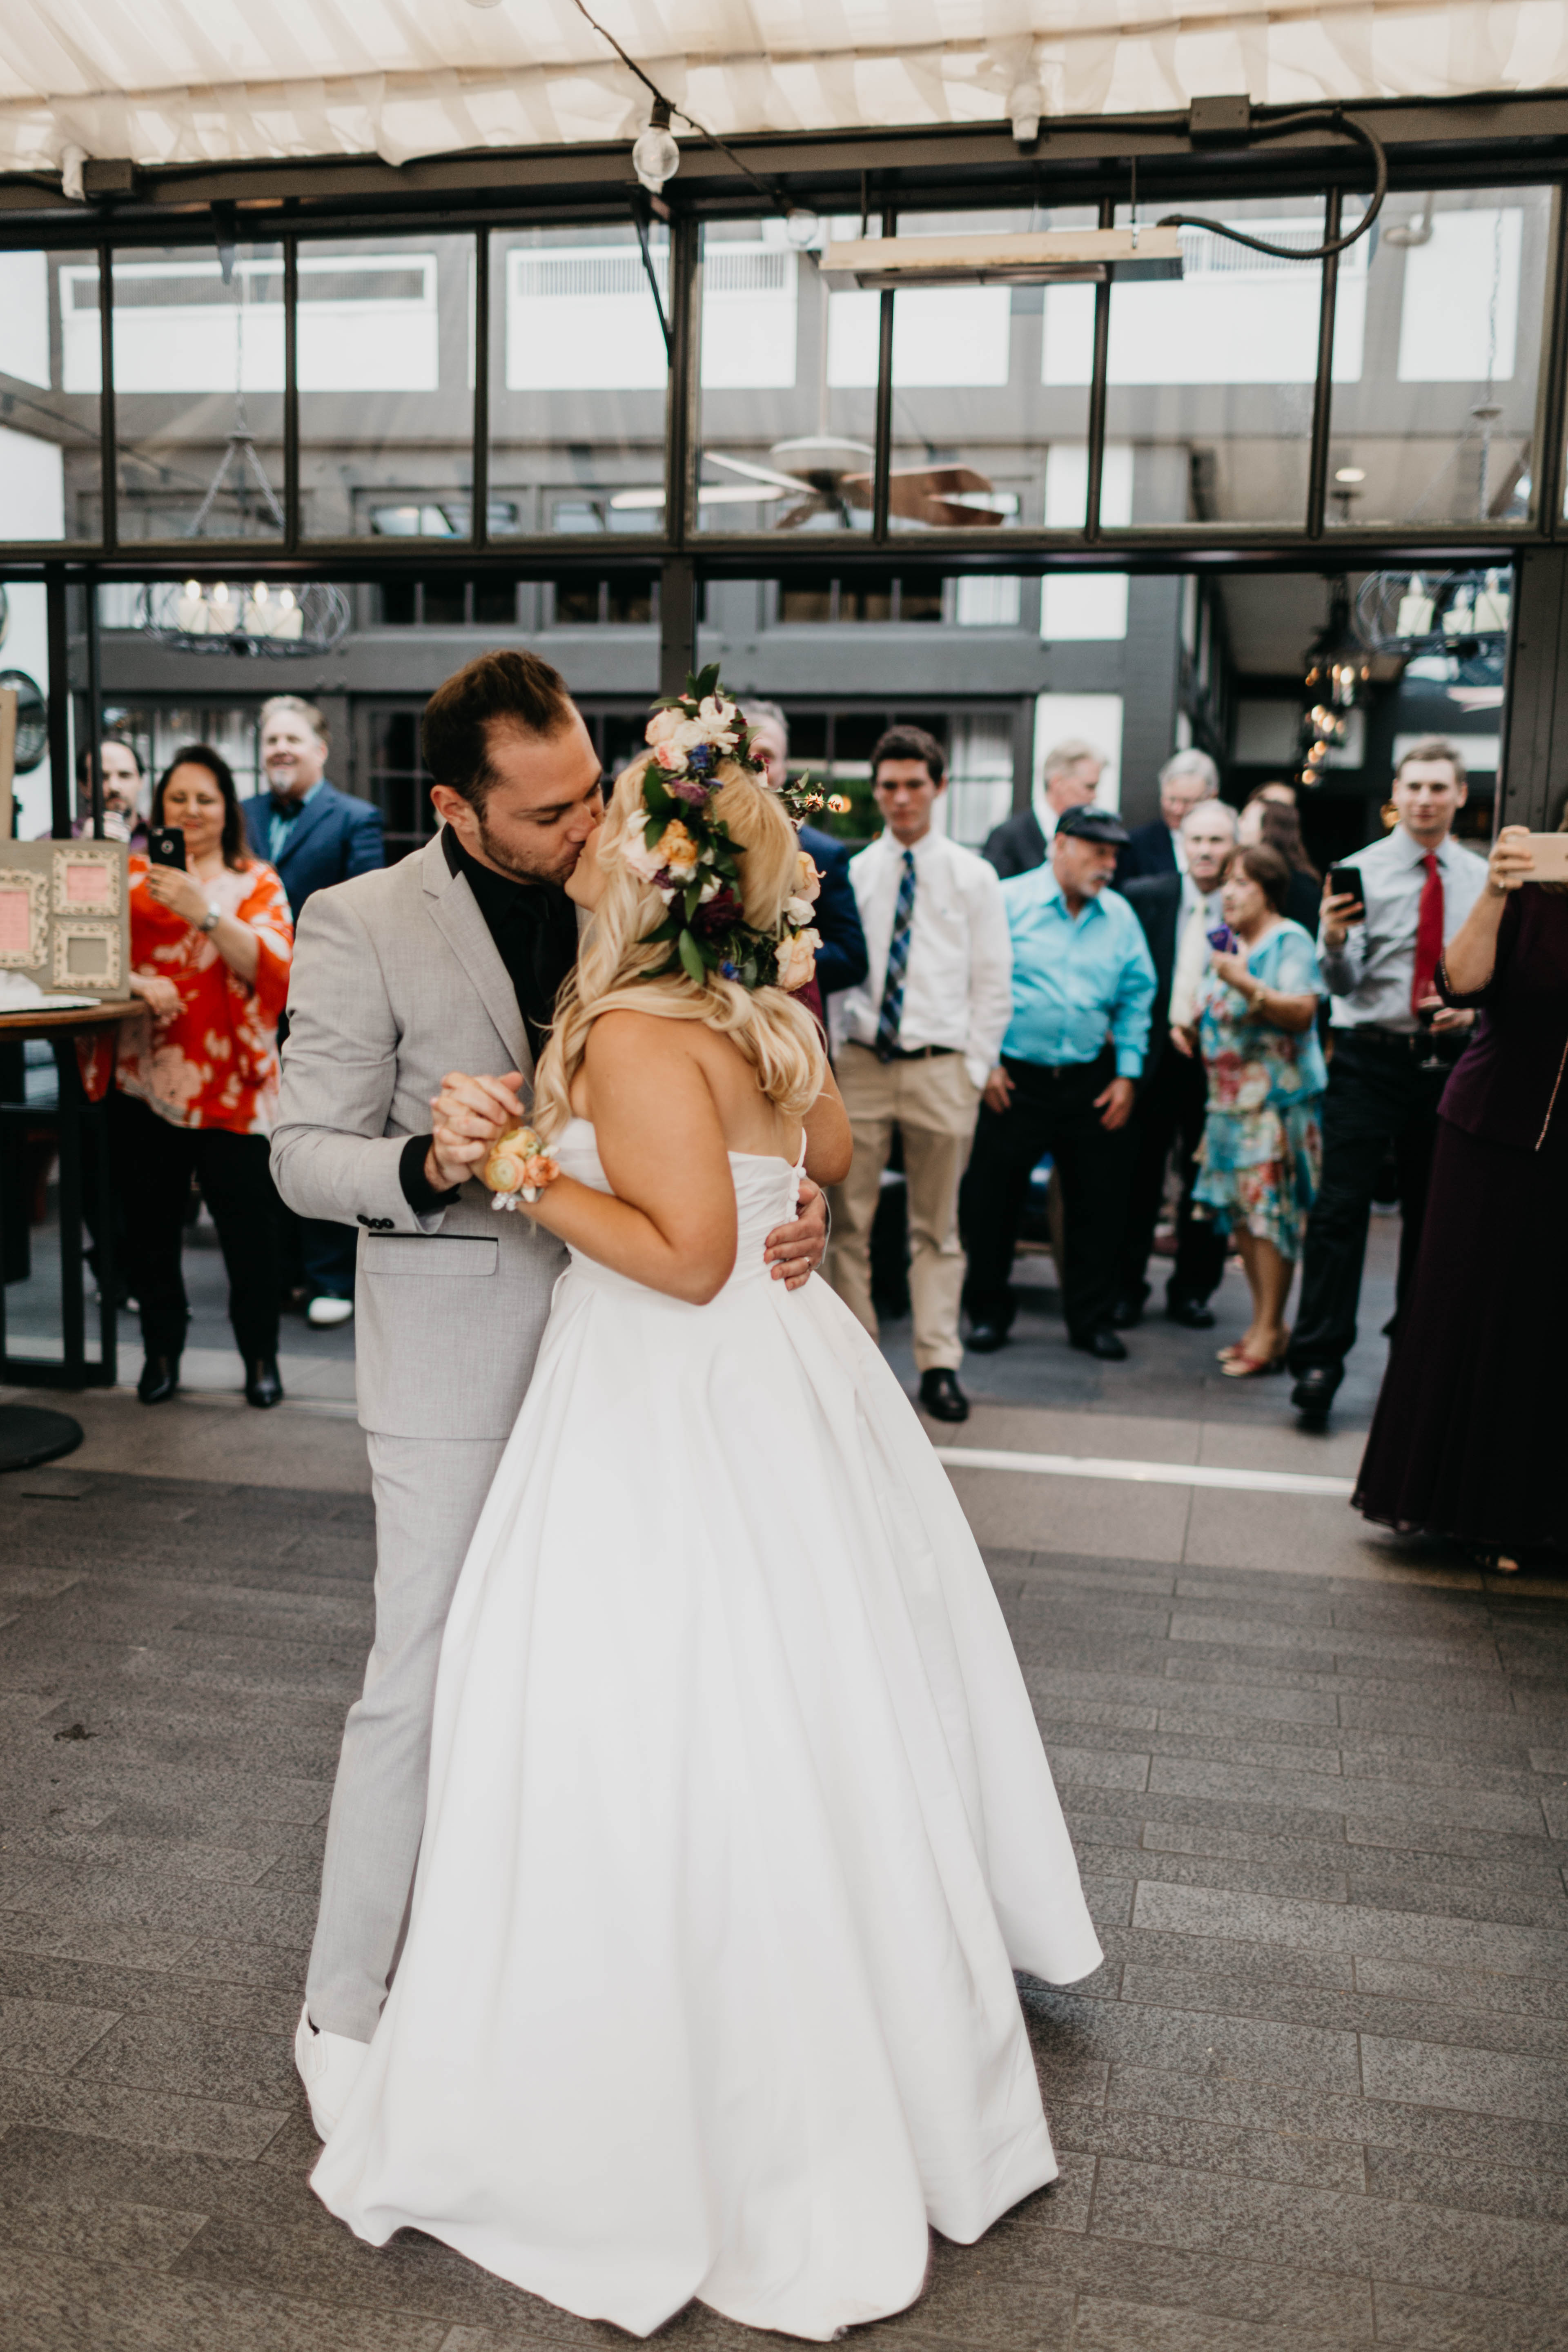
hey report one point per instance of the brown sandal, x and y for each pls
(1243, 1367)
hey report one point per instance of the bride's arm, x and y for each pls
(670, 1222)
(828, 1147)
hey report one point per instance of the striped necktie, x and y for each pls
(897, 963)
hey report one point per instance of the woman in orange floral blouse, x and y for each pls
(196, 1079)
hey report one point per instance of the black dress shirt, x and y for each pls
(534, 927)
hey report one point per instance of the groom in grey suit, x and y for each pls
(405, 984)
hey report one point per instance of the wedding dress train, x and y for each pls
(738, 1825)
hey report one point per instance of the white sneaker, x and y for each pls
(329, 2066)
(326, 1314)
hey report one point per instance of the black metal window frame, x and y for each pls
(1431, 146)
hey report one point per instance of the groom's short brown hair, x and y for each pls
(516, 689)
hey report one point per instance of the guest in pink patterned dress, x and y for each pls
(196, 1079)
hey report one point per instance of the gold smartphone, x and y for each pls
(1549, 854)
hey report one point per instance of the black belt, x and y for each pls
(912, 1053)
(1405, 1042)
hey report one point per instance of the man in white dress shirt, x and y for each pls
(1394, 1045)
(915, 1043)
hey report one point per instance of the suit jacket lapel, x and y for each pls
(456, 917)
(306, 824)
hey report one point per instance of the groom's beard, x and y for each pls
(558, 868)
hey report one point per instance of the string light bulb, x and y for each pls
(656, 157)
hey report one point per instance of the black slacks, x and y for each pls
(1170, 1116)
(154, 1163)
(1378, 1096)
(1052, 1110)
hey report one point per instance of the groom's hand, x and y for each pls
(794, 1252)
(470, 1112)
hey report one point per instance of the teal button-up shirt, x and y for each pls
(1075, 983)
(278, 826)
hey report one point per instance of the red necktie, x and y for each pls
(1428, 933)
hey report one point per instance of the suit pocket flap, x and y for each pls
(438, 1257)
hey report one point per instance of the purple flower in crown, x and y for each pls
(716, 915)
(730, 971)
(689, 789)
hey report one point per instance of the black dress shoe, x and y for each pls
(1314, 1391)
(1127, 1314)
(159, 1379)
(984, 1338)
(941, 1397)
(1190, 1313)
(1102, 1343)
(262, 1385)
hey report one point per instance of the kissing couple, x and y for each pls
(693, 1819)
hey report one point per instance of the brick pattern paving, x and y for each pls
(1314, 2100)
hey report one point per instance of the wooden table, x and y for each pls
(29, 1434)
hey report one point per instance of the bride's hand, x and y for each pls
(795, 1251)
(470, 1114)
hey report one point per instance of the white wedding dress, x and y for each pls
(739, 1824)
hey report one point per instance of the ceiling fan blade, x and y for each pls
(754, 473)
(741, 494)
(942, 480)
(793, 517)
(629, 501)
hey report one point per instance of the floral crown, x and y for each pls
(676, 843)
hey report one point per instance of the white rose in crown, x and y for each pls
(797, 959)
(661, 727)
(646, 864)
(810, 883)
(797, 911)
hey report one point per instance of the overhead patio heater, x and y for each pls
(1044, 257)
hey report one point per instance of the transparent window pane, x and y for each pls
(198, 384)
(578, 381)
(788, 385)
(387, 388)
(1211, 375)
(50, 366)
(990, 392)
(1437, 363)
(25, 667)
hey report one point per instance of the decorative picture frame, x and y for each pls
(18, 883)
(103, 973)
(87, 878)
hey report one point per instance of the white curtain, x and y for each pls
(167, 82)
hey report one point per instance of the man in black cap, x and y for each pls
(1083, 983)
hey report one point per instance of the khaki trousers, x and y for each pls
(933, 1104)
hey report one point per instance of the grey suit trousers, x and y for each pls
(429, 1492)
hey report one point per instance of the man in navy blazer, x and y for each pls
(1157, 848)
(841, 960)
(314, 836)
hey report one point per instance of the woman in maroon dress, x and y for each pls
(1467, 1440)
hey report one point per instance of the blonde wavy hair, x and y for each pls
(776, 1035)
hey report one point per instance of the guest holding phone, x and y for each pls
(1395, 1041)
(1467, 1436)
(197, 1076)
(1256, 1029)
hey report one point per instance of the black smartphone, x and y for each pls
(1345, 882)
(166, 846)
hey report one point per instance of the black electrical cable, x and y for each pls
(774, 195)
(1338, 120)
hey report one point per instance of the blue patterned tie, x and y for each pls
(897, 964)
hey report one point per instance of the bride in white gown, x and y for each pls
(739, 1821)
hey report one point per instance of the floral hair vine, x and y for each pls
(676, 843)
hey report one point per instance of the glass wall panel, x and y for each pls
(50, 366)
(1211, 375)
(990, 400)
(578, 376)
(788, 410)
(198, 384)
(386, 387)
(1435, 420)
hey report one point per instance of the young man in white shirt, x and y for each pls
(1395, 1043)
(914, 1045)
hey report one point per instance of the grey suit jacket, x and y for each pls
(395, 981)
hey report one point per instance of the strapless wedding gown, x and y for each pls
(739, 1824)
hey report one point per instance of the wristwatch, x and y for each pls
(210, 917)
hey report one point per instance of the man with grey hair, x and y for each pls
(1177, 912)
(1156, 847)
(1069, 778)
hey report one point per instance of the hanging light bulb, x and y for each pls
(1025, 103)
(803, 228)
(654, 156)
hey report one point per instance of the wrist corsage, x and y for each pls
(517, 1167)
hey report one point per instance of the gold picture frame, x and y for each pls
(87, 879)
(17, 882)
(87, 972)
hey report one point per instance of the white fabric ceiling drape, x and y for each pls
(168, 81)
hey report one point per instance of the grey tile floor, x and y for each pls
(1314, 2101)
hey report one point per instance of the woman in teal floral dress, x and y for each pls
(1262, 1146)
